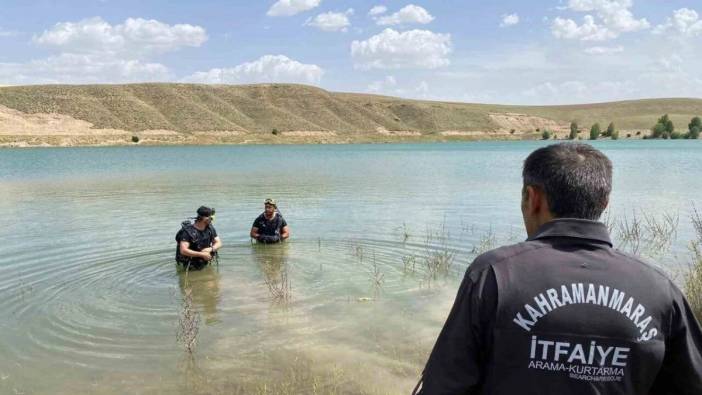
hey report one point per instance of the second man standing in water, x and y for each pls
(270, 226)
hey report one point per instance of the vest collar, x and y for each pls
(574, 227)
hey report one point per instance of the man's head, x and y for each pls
(567, 180)
(205, 214)
(270, 206)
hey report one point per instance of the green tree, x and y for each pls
(658, 130)
(695, 122)
(664, 127)
(595, 131)
(573, 130)
(610, 130)
(695, 132)
(614, 135)
(546, 135)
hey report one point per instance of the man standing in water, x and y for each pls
(564, 312)
(198, 242)
(270, 227)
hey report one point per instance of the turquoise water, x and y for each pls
(91, 299)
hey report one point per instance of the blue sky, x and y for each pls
(511, 52)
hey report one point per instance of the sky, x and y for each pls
(504, 52)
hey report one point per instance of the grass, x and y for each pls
(693, 280)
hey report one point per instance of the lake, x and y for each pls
(381, 234)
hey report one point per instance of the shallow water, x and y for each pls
(91, 298)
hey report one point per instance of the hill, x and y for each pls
(288, 113)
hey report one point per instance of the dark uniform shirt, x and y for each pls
(197, 241)
(565, 313)
(270, 228)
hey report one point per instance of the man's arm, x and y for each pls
(681, 371)
(217, 244)
(254, 233)
(285, 232)
(186, 251)
(457, 362)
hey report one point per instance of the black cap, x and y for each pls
(205, 212)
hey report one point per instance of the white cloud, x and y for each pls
(390, 86)
(291, 7)
(408, 14)
(134, 36)
(509, 20)
(82, 69)
(603, 50)
(411, 49)
(684, 21)
(377, 10)
(389, 82)
(331, 21)
(268, 68)
(588, 31)
(615, 17)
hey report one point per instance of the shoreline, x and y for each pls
(284, 138)
(241, 138)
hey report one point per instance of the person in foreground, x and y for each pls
(270, 227)
(197, 242)
(564, 312)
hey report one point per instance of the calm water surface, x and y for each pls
(91, 300)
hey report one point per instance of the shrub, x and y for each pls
(275, 132)
(610, 130)
(135, 139)
(694, 132)
(546, 135)
(676, 135)
(595, 131)
(695, 122)
(573, 130)
(615, 135)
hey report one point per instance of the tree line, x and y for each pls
(664, 128)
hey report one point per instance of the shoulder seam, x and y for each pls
(517, 253)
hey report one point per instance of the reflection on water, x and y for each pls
(351, 305)
(272, 260)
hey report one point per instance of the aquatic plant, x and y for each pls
(409, 264)
(377, 277)
(189, 321)
(486, 242)
(439, 257)
(279, 286)
(644, 234)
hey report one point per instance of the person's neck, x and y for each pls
(269, 217)
(200, 225)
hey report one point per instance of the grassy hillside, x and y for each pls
(287, 107)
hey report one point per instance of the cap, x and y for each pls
(270, 201)
(205, 211)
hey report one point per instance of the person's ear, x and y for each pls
(532, 200)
